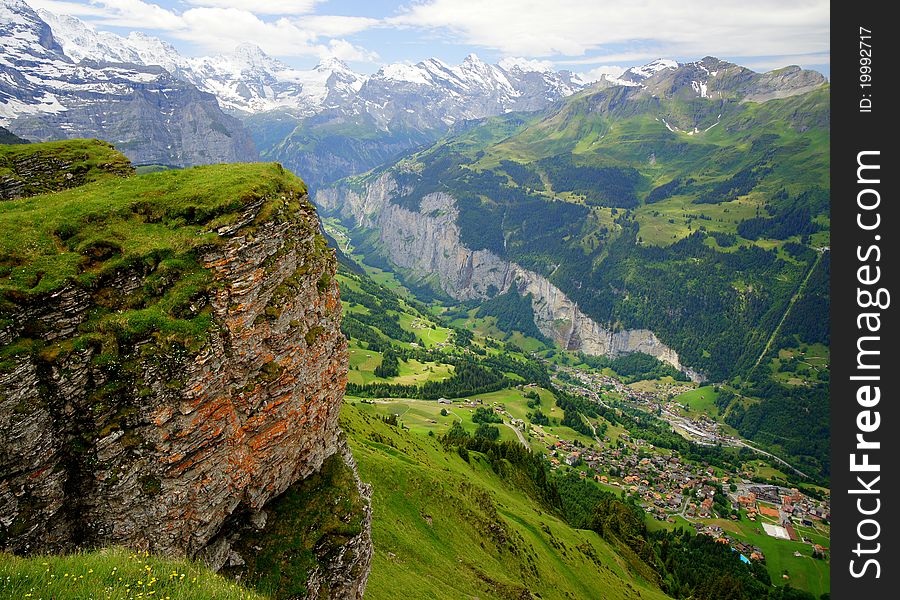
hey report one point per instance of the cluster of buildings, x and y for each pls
(660, 401)
(748, 551)
(667, 486)
(786, 506)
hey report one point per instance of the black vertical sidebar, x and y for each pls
(865, 421)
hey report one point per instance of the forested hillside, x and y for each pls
(704, 220)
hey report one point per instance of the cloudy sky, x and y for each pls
(580, 35)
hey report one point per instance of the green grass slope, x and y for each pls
(113, 573)
(28, 169)
(446, 528)
(156, 224)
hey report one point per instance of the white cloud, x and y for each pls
(218, 26)
(806, 61)
(335, 25)
(598, 72)
(575, 27)
(137, 14)
(618, 57)
(346, 51)
(221, 29)
(261, 7)
(75, 9)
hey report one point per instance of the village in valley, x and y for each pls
(720, 504)
(674, 491)
(704, 477)
(747, 511)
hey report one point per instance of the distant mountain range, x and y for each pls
(148, 113)
(249, 81)
(59, 78)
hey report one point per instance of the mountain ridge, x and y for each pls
(566, 140)
(247, 80)
(152, 116)
(328, 122)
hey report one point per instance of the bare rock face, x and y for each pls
(161, 458)
(428, 243)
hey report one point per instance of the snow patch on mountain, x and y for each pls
(700, 88)
(405, 73)
(652, 68)
(525, 65)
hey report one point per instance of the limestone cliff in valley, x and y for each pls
(427, 242)
(158, 395)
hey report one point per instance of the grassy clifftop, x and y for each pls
(154, 226)
(28, 169)
(113, 573)
(76, 234)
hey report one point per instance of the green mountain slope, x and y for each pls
(447, 528)
(704, 219)
(8, 137)
(424, 497)
(702, 237)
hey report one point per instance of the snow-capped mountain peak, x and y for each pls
(154, 51)
(45, 94)
(401, 72)
(333, 64)
(22, 31)
(252, 56)
(249, 80)
(81, 42)
(638, 74)
(524, 65)
(472, 59)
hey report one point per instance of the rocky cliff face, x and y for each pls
(155, 441)
(428, 242)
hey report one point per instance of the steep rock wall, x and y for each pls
(428, 242)
(156, 446)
